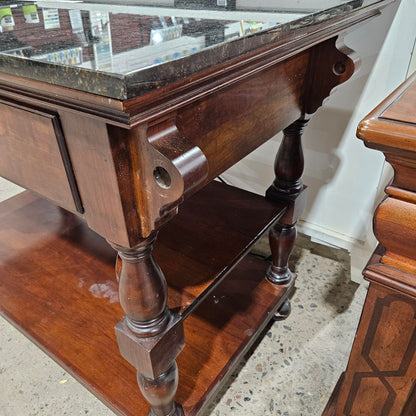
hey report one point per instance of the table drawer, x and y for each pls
(33, 154)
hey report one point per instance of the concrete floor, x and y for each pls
(291, 372)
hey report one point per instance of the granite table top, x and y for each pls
(124, 49)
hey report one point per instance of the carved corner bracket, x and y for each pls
(331, 63)
(165, 167)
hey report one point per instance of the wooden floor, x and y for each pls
(57, 284)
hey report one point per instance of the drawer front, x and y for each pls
(33, 154)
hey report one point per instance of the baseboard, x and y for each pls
(360, 251)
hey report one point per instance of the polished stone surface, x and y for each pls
(123, 51)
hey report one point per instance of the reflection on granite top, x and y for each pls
(123, 51)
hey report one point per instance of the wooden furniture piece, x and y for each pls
(129, 148)
(380, 379)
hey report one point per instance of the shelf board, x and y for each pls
(57, 285)
(215, 228)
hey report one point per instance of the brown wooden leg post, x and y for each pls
(281, 240)
(288, 186)
(150, 336)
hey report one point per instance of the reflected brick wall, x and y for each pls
(127, 32)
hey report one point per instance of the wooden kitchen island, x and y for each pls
(119, 118)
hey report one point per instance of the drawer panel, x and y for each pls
(33, 154)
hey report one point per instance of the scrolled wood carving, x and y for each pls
(331, 63)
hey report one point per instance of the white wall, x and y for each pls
(8, 189)
(343, 175)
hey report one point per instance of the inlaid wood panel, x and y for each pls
(381, 372)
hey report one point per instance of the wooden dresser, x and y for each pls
(124, 116)
(380, 379)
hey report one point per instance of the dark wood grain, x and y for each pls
(34, 155)
(108, 204)
(287, 186)
(229, 221)
(63, 295)
(289, 161)
(231, 122)
(150, 336)
(204, 131)
(331, 63)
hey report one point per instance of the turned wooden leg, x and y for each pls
(160, 392)
(281, 240)
(150, 336)
(287, 186)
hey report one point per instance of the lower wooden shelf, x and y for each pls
(58, 286)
